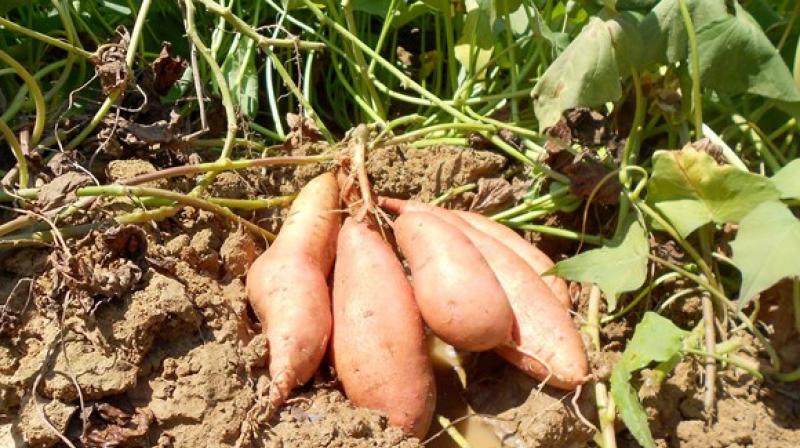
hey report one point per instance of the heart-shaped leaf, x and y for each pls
(691, 189)
(765, 249)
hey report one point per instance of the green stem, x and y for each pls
(407, 81)
(411, 136)
(5, 23)
(253, 204)
(697, 99)
(120, 190)
(111, 100)
(724, 301)
(24, 193)
(730, 359)
(36, 93)
(642, 294)
(361, 63)
(39, 238)
(455, 191)
(219, 77)
(262, 41)
(558, 232)
(16, 149)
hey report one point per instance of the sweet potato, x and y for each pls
(546, 344)
(288, 290)
(458, 295)
(379, 347)
(535, 258)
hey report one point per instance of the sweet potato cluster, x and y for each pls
(475, 284)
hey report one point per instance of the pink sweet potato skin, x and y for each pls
(287, 287)
(457, 293)
(543, 330)
(535, 258)
(379, 347)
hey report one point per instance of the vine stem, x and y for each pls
(112, 98)
(697, 99)
(121, 190)
(12, 26)
(17, 150)
(19, 98)
(606, 409)
(216, 71)
(410, 83)
(262, 41)
(720, 296)
(36, 93)
(224, 165)
(709, 397)
(265, 44)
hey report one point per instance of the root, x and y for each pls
(360, 139)
(541, 361)
(577, 409)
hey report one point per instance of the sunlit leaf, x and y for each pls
(766, 247)
(589, 72)
(736, 57)
(691, 189)
(476, 44)
(656, 339)
(664, 31)
(240, 71)
(788, 180)
(618, 267)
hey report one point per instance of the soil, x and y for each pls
(142, 336)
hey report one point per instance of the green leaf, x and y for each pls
(476, 44)
(589, 71)
(618, 267)
(656, 339)
(665, 33)
(766, 247)
(788, 180)
(737, 57)
(691, 189)
(240, 72)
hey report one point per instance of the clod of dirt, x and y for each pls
(325, 418)
(231, 184)
(32, 427)
(526, 416)
(105, 360)
(200, 396)
(118, 170)
(238, 252)
(745, 416)
(61, 190)
(202, 251)
(425, 173)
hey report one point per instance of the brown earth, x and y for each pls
(142, 336)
